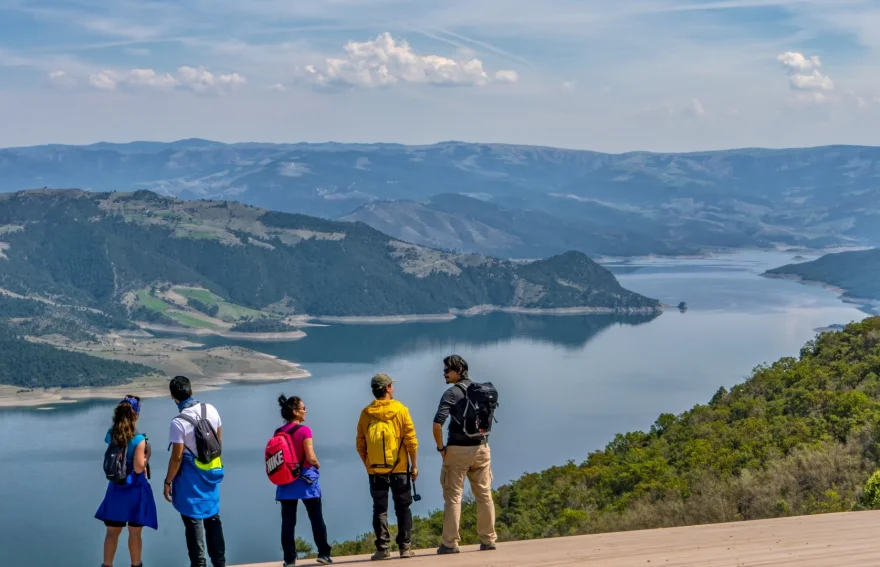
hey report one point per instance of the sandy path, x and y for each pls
(830, 540)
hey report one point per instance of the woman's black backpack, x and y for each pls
(116, 462)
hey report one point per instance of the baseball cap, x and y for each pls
(381, 381)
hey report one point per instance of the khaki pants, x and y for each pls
(475, 464)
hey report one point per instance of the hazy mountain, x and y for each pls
(458, 222)
(751, 197)
(108, 250)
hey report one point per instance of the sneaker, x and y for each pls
(381, 555)
(406, 553)
(289, 565)
(324, 560)
(487, 547)
(443, 550)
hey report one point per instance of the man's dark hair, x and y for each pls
(379, 393)
(457, 364)
(181, 388)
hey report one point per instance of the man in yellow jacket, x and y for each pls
(387, 445)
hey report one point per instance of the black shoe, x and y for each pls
(324, 560)
(443, 550)
(487, 547)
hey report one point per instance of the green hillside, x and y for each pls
(95, 249)
(858, 272)
(800, 436)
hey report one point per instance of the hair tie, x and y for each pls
(135, 405)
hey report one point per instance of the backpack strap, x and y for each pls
(192, 421)
(204, 409)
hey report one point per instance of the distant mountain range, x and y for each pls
(522, 201)
(125, 254)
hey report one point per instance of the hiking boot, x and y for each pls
(324, 560)
(487, 547)
(289, 565)
(443, 550)
(406, 553)
(381, 555)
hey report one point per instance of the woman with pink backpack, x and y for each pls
(292, 466)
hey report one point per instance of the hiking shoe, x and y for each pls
(381, 555)
(324, 560)
(487, 547)
(406, 553)
(443, 550)
(289, 565)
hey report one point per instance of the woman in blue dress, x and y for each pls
(132, 503)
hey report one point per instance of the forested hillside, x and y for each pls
(103, 250)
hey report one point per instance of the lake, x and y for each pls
(567, 385)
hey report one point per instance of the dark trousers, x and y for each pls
(197, 531)
(401, 492)
(288, 527)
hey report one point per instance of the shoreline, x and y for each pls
(481, 310)
(842, 293)
(208, 369)
(256, 337)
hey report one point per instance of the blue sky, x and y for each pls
(609, 75)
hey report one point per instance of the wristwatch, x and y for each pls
(167, 483)
(441, 449)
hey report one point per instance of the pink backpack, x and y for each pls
(282, 466)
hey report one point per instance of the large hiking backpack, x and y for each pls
(383, 446)
(282, 465)
(116, 462)
(208, 447)
(481, 400)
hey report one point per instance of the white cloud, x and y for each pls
(190, 78)
(815, 81)
(696, 108)
(201, 80)
(104, 80)
(62, 79)
(803, 72)
(798, 62)
(385, 61)
(277, 87)
(568, 85)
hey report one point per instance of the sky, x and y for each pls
(604, 75)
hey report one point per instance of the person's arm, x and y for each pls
(173, 467)
(361, 439)
(176, 437)
(140, 457)
(446, 403)
(411, 442)
(220, 434)
(309, 449)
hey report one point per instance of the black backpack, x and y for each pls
(481, 400)
(116, 462)
(208, 447)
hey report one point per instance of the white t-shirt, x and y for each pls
(182, 431)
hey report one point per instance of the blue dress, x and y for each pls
(132, 502)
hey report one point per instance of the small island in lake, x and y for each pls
(682, 306)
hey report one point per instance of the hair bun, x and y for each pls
(282, 400)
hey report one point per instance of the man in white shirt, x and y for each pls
(193, 486)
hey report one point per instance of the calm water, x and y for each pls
(567, 385)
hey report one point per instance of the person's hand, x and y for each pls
(414, 474)
(167, 492)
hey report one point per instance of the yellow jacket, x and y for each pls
(396, 413)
